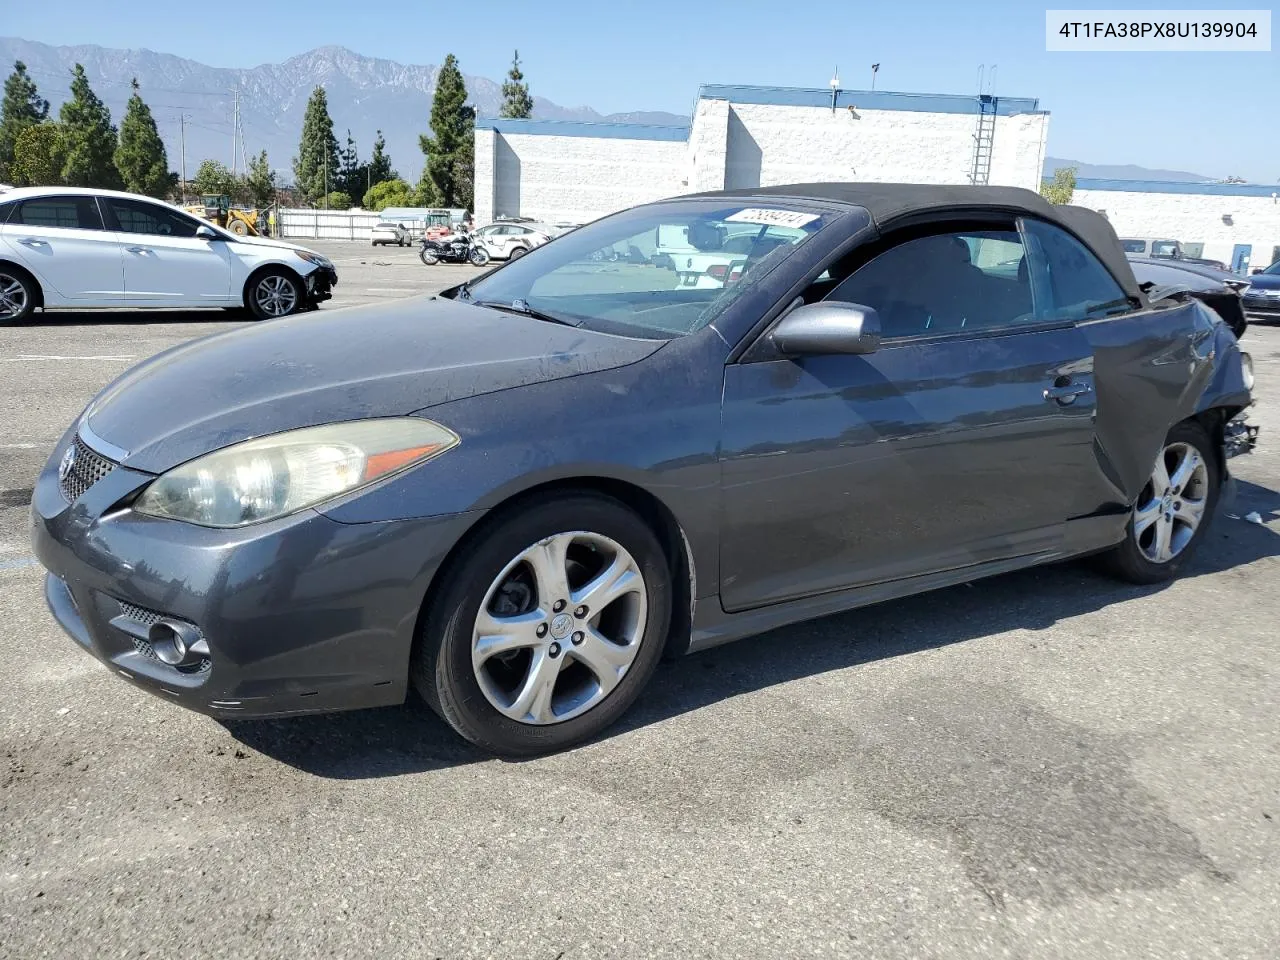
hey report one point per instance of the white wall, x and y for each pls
(579, 178)
(1192, 218)
(744, 145)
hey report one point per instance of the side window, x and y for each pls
(945, 283)
(1078, 286)
(1134, 246)
(70, 213)
(134, 216)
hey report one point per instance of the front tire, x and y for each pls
(273, 294)
(517, 253)
(1173, 511)
(18, 295)
(547, 629)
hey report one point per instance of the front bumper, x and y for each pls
(1264, 308)
(298, 615)
(320, 284)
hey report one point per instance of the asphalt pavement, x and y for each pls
(1047, 764)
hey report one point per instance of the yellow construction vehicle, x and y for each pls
(239, 220)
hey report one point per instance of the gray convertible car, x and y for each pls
(518, 496)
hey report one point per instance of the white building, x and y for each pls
(1237, 223)
(755, 136)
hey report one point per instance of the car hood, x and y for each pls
(1264, 281)
(333, 366)
(272, 243)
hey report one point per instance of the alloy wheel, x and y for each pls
(1172, 505)
(559, 627)
(13, 297)
(276, 296)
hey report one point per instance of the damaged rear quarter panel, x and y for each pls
(1150, 369)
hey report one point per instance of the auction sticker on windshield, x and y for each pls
(772, 218)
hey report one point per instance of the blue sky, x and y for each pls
(1205, 112)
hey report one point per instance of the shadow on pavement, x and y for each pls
(410, 739)
(82, 318)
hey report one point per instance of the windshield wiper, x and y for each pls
(523, 309)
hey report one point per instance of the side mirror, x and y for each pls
(206, 233)
(815, 329)
(1255, 271)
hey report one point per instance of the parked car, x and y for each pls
(1262, 299)
(388, 231)
(510, 240)
(69, 247)
(518, 497)
(1165, 250)
(1221, 290)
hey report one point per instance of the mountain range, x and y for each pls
(1120, 171)
(365, 95)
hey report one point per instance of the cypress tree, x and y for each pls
(89, 137)
(317, 159)
(141, 157)
(450, 169)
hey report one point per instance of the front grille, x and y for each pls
(87, 468)
(139, 614)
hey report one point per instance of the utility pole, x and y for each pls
(182, 135)
(875, 68)
(235, 128)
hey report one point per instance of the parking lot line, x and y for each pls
(20, 563)
(37, 356)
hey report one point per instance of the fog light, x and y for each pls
(172, 640)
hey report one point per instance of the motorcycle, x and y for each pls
(456, 248)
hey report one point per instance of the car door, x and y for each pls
(959, 441)
(61, 240)
(165, 263)
(1150, 365)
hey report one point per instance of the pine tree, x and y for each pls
(140, 157)
(353, 176)
(450, 169)
(315, 168)
(89, 136)
(23, 108)
(380, 169)
(260, 181)
(516, 102)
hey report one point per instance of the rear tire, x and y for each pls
(18, 295)
(239, 228)
(630, 624)
(1173, 511)
(479, 256)
(429, 257)
(273, 294)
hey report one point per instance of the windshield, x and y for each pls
(1273, 270)
(662, 270)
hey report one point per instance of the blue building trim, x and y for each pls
(582, 128)
(865, 99)
(1179, 186)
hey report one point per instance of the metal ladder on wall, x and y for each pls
(983, 140)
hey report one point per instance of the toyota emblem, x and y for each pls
(67, 464)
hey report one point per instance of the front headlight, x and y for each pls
(317, 259)
(272, 476)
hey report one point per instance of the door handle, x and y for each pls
(33, 242)
(139, 249)
(1066, 393)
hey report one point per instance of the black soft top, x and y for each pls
(888, 202)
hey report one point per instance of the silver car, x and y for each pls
(510, 240)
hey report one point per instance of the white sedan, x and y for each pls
(510, 240)
(72, 247)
